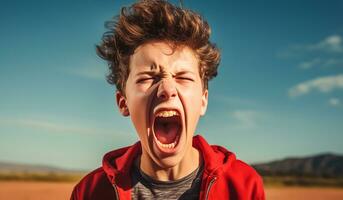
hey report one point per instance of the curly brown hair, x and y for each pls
(149, 20)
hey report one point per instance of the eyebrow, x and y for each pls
(184, 72)
(147, 73)
(152, 70)
(152, 73)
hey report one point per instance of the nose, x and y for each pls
(166, 89)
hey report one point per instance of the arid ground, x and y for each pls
(301, 193)
(22, 190)
(16, 190)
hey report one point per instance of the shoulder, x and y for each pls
(94, 184)
(244, 176)
(243, 169)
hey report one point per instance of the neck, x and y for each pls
(187, 165)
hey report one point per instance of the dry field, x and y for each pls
(22, 190)
(301, 193)
(16, 190)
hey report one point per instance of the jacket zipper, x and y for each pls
(116, 191)
(209, 187)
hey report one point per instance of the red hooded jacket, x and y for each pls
(224, 177)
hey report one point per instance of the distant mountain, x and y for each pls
(324, 165)
(327, 165)
(8, 167)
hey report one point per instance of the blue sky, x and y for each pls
(279, 91)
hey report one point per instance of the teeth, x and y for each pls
(168, 146)
(166, 113)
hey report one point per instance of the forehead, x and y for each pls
(153, 55)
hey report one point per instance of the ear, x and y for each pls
(122, 105)
(204, 101)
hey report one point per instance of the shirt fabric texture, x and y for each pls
(146, 188)
(223, 177)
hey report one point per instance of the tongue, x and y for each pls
(166, 133)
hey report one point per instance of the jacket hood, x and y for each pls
(214, 156)
(117, 164)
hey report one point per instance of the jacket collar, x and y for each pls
(214, 156)
(117, 164)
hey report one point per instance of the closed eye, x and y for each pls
(150, 79)
(142, 80)
(185, 78)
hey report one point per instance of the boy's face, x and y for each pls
(165, 98)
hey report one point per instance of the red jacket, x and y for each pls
(224, 177)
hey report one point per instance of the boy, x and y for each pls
(161, 60)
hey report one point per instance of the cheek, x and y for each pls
(139, 102)
(143, 87)
(192, 91)
(192, 102)
(137, 109)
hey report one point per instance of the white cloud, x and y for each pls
(324, 63)
(333, 62)
(310, 64)
(331, 43)
(245, 118)
(321, 84)
(54, 126)
(334, 102)
(94, 72)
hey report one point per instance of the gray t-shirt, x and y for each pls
(144, 187)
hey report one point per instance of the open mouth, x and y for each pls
(167, 128)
